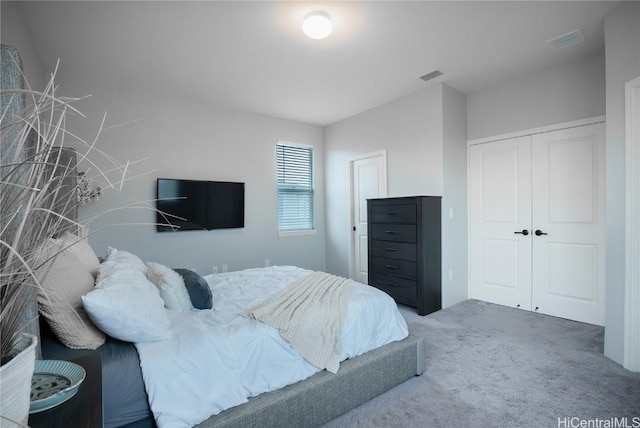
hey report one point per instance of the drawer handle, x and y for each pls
(392, 250)
(391, 232)
(389, 213)
(391, 284)
(391, 267)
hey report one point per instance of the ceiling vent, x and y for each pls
(569, 39)
(431, 75)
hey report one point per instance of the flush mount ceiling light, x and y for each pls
(317, 25)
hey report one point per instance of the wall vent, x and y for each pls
(432, 75)
(567, 40)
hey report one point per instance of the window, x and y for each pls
(295, 187)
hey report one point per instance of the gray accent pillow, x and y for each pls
(198, 289)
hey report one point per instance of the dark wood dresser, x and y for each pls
(404, 247)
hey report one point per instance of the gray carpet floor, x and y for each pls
(493, 366)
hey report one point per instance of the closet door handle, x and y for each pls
(539, 232)
(524, 232)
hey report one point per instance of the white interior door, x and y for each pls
(568, 213)
(499, 222)
(368, 180)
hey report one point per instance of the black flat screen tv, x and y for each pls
(198, 205)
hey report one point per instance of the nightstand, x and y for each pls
(85, 408)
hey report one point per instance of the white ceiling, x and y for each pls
(253, 55)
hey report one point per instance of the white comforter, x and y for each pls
(217, 358)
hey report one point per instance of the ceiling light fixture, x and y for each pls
(317, 25)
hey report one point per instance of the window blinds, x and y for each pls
(295, 187)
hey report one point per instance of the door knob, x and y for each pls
(524, 232)
(539, 232)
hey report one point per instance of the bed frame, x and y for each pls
(308, 403)
(324, 396)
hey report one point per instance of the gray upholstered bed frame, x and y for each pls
(324, 396)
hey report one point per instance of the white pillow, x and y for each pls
(171, 287)
(118, 258)
(125, 305)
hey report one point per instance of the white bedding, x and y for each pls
(216, 358)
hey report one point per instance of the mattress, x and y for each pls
(217, 359)
(123, 393)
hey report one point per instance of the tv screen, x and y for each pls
(198, 205)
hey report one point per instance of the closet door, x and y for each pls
(568, 192)
(500, 221)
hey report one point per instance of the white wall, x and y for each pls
(575, 90)
(454, 201)
(411, 131)
(187, 140)
(426, 142)
(14, 31)
(184, 139)
(622, 41)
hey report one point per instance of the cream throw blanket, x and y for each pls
(309, 314)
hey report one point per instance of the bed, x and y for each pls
(374, 359)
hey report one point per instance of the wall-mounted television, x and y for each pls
(198, 205)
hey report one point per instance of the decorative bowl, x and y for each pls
(54, 382)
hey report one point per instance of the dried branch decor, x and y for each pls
(33, 199)
(86, 191)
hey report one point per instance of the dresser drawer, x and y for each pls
(393, 213)
(394, 250)
(402, 290)
(397, 268)
(394, 232)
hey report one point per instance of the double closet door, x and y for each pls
(536, 223)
